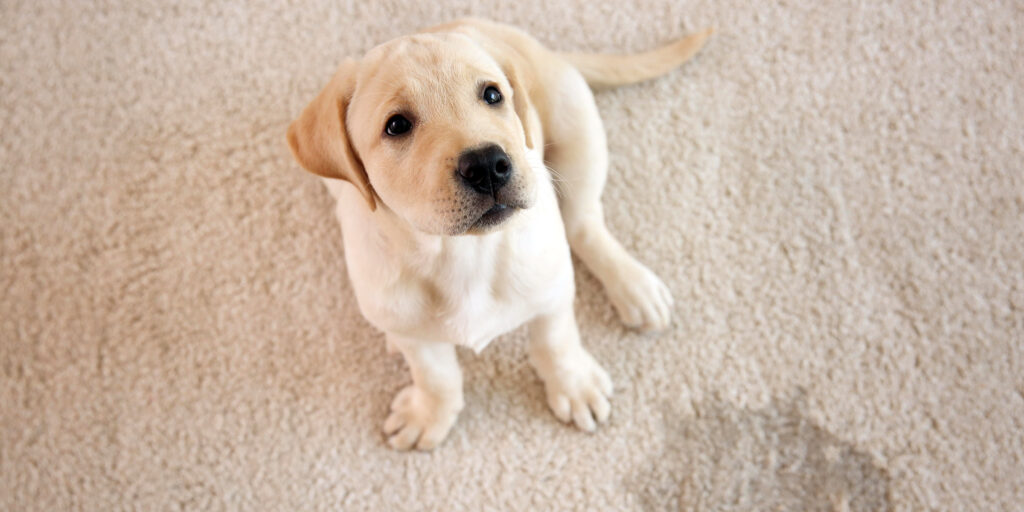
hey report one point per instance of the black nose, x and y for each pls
(485, 169)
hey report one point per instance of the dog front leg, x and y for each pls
(423, 413)
(577, 387)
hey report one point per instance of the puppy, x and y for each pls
(436, 147)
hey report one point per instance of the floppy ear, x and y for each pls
(521, 101)
(319, 140)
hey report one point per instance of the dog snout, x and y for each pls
(485, 169)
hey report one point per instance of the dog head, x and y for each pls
(430, 125)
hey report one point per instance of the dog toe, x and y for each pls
(641, 298)
(419, 420)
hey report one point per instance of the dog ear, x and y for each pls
(521, 101)
(319, 140)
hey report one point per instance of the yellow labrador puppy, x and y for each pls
(435, 146)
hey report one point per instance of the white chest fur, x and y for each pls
(465, 290)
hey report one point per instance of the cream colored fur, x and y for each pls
(423, 269)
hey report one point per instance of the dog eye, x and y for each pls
(397, 125)
(492, 95)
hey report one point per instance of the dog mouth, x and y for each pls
(495, 215)
(492, 211)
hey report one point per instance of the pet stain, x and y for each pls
(725, 458)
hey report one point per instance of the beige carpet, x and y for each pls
(833, 190)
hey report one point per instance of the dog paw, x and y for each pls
(579, 392)
(642, 301)
(419, 419)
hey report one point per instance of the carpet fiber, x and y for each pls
(833, 191)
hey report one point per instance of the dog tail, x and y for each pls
(606, 71)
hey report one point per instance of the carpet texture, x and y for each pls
(833, 191)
